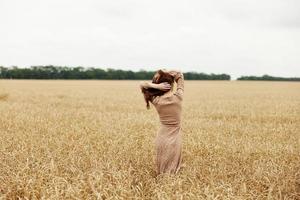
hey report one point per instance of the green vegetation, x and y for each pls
(57, 72)
(267, 78)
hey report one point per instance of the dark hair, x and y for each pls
(150, 93)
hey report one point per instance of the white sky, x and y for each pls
(238, 37)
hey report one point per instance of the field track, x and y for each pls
(94, 140)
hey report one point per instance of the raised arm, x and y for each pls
(146, 85)
(179, 79)
(161, 86)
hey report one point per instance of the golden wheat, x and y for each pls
(94, 140)
(3, 96)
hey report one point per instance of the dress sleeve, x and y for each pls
(179, 79)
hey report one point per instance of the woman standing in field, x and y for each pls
(168, 105)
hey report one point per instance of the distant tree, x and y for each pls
(267, 78)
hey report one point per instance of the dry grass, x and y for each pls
(3, 96)
(94, 139)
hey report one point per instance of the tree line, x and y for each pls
(59, 72)
(267, 78)
(62, 72)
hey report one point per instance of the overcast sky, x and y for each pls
(238, 37)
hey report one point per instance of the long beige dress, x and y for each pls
(168, 141)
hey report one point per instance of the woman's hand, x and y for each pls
(163, 86)
(174, 72)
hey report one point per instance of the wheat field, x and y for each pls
(95, 140)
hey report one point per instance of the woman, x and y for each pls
(168, 105)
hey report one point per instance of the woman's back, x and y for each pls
(169, 106)
(168, 109)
